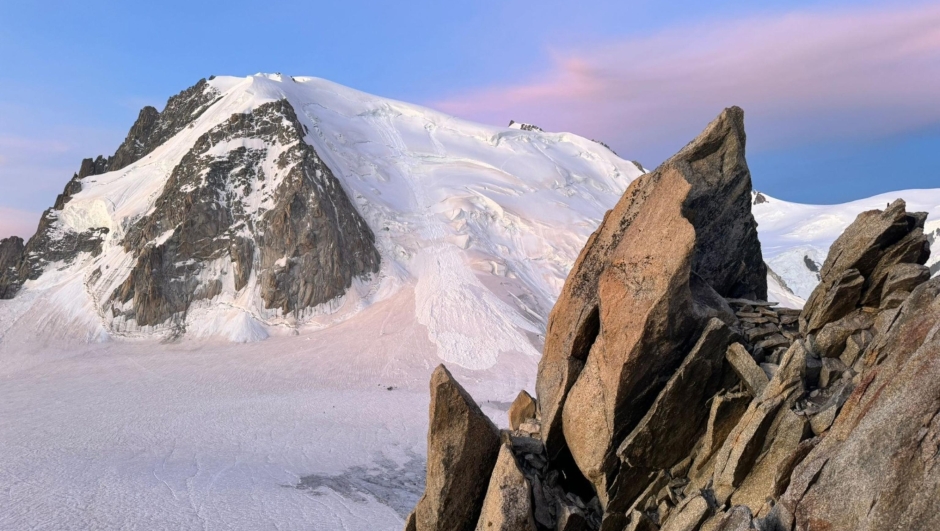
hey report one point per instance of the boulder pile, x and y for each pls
(673, 396)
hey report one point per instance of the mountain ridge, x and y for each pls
(345, 127)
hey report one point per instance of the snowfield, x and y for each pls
(323, 430)
(257, 420)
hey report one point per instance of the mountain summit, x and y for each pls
(254, 204)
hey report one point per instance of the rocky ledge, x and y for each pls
(673, 396)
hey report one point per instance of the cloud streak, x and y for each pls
(801, 77)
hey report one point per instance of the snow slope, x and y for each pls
(324, 430)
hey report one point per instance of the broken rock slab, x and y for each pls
(912, 250)
(746, 441)
(689, 515)
(747, 369)
(667, 433)
(508, 502)
(830, 340)
(905, 277)
(832, 300)
(725, 412)
(463, 445)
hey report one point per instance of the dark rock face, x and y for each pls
(463, 445)
(49, 246)
(11, 254)
(305, 244)
(151, 129)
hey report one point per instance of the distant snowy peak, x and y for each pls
(266, 202)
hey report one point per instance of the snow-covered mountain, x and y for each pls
(365, 239)
(263, 204)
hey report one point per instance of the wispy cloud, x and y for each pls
(801, 76)
(15, 222)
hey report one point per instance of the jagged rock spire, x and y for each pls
(711, 188)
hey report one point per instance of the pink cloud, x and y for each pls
(14, 222)
(800, 76)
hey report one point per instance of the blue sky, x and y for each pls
(841, 97)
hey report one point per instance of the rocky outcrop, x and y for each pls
(523, 126)
(463, 445)
(860, 261)
(878, 468)
(306, 243)
(653, 273)
(710, 227)
(677, 398)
